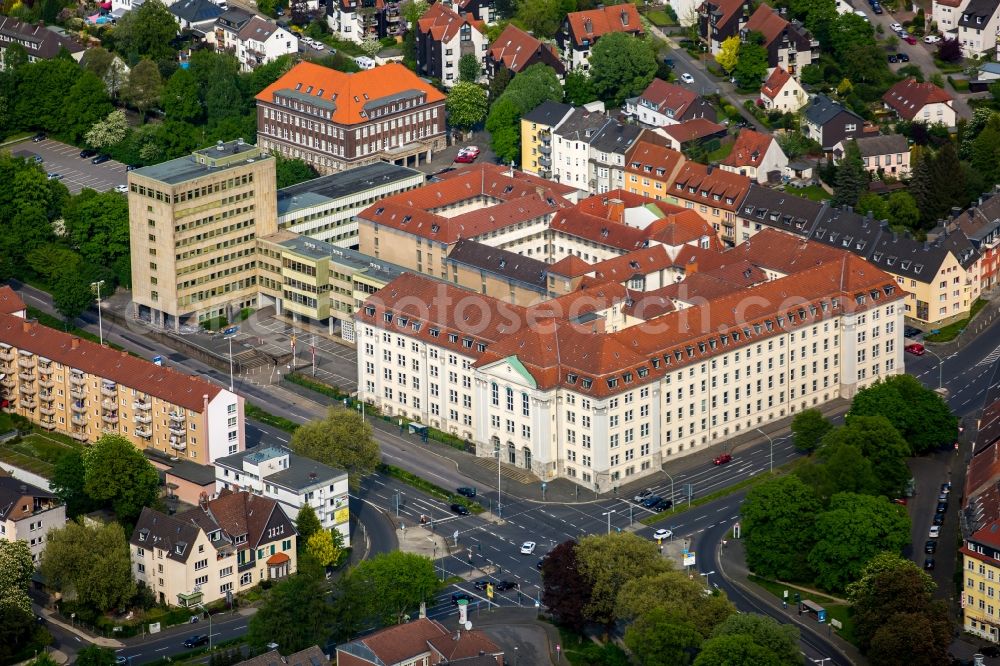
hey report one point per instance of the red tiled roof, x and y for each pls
(988, 535)
(350, 92)
(785, 253)
(908, 97)
(399, 643)
(712, 186)
(641, 262)
(10, 302)
(443, 23)
(570, 266)
(278, 558)
(652, 159)
(696, 128)
(117, 366)
(767, 22)
(681, 228)
(775, 82)
(749, 149)
(595, 298)
(593, 23)
(669, 96)
(239, 513)
(514, 48)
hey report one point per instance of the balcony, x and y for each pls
(176, 445)
(79, 435)
(143, 418)
(27, 362)
(78, 393)
(177, 416)
(6, 354)
(545, 150)
(546, 137)
(27, 389)
(48, 411)
(45, 383)
(77, 379)
(142, 404)
(78, 407)
(143, 432)
(110, 390)
(7, 382)
(545, 161)
(110, 417)
(178, 431)
(108, 403)
(45, 368)
(76, 419)
(46, 396)
(26, 376)
(48, 424)
(28, 403)
(246, 566)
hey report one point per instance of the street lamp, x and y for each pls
(820, 661)
(209, 626)
(100, 324)
(499, 510)
(940, 367)
(772, 446)
(608, 514)
(706, 575)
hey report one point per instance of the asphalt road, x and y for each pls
(77, 173)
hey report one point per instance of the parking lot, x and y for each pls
(77, 173)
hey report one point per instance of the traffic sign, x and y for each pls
(489, 590)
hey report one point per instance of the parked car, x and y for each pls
(505, 585)
(39, 137)
(662, 534)
(465, 158)
(460, 509)
(651, 501)
(928, 563)
(528, 547)
(932, 39)
(878, 9)
(723, 458)
(909, 39)
(642, 495)
(946, 487)
(942, 507)
(938, 520)
(900, 500)
(663, 505)
(466, 492)
(943, 496)
(895, 27)
(687, 78)
(52, 175)
(459, 596)
(930, 546)
(893, 57)
(481, 585)
(934, 532)
(196, 640)
(121, 189)
(915, 348)
(87, 152)
(100, 159)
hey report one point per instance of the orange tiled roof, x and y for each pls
(669, 96)
(443, 23)
(749, 149)
(593, 23)
(654, 160)
(696, 128)
(908, 97)
(710, 186)
(681, 228)
(767, 22)
(514, 48)
(117, 366)
(570, 266)
(726, 9)
(10, 302)
(350, 93)
(775, 82)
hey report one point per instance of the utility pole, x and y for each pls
(100, 322)
(608, 514)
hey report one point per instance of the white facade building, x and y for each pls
(260, 42)
(28, 513)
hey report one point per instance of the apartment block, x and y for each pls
(28, 513)
(583, 388)
(80, 388)
(536, 137)
(193, 224)
(337, 121)
(292, 480)
(443, 38)
(357, 20)
(325, 208)
(224, 546)
(581, 30)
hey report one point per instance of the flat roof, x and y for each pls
(220, 157)
(317, 250)
(201, 475)
(301, 472)
(339, 185)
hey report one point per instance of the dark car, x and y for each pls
(929, 563)
(460, 509)
(942, 507)
(642, 495)
(938, 519)
(650, 502)
(87, 152)
(946, 487)
(131, 167)
(909, 331)
(877, 9)
(538, 564)
(505, 585)
(663, 505)
(893, 57)
(481, 585)
(466, 492)
(100, 159)
(39, 137)
(904, 58)
(458, 596)
(196, 640)
(930, 546)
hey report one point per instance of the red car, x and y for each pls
(910, 39)
(465, 158)
(916, 349)
(722, 459)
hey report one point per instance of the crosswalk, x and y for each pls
(991, 358)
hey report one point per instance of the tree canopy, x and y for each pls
(780, 640)
(294, 614)
(565, 591)
(146, 32)
(16, 569)
(116, 472)
(608, 562)
(389, 586)
(751, 62)
(808, 428)
(851, 177)
(919, 414)
(90, 563)
(621, 66)
(778, 528)
(466, 105)
(526, 91)
(659, 638)
(291, 171)
(343, 440)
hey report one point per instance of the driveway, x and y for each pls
(77, 173)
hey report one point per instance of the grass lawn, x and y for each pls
(835, 610)
(6, 423)
(660, 18)
(951, 331)
(721, 153)
(814, 192)
(12, 457)
(38, 452)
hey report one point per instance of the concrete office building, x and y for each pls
(193, 223)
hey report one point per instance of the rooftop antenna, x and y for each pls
(512, 168)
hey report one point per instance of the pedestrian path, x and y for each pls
(991, 358)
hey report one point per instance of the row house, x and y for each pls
(947, 13)
(292, 480)
(789, 45)
(981, 225)
(515, 50)
(336, 121)
(38, 41)
(888, 155)
(227, 29)
(589, 392)
(357, 20)
(650, 168)
(756, 156)
(224, 546)
(718, 20)
(581, 30)
(714, 193)
(828, 122)
(920, 102)
(606, 164)
(443, 37)
(663, 103)
(86, 390)
(781, 92)
(28, 513)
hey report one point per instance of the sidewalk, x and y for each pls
(527, 640)
(51, 618)
(732, 562)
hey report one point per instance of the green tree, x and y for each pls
(919, 414)
(117, 473)
(608, 562)
(874, 204)
(852, 178)
(67, 483)
(86, 103)
(71, 294)
(467, 105)
(852, 531)
(16, 569)
(469, 68)
(903, 211)
(882, 445)
(913, 639)
(729, 54)
(180, 97)
(108, 132)
(808, 428)
(389, 586)
(565, 592)
(621, 66)
(146, 32)
(499, 83)
(578, 88)
(97, 226)
(144, 87)
(18, 629)
(751, 65)
(735, 651)
(291, 171)
(781, 640)
(89, 563)
(840, 468)
(852, 41)
(343, 440)
(93, 655)
(306, 524)
(986, 151)
(541, 17)
(294, 614)
(867, 585)
(657, 639)
(684, 598)
(778, 527)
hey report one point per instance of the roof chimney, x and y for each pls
(26, 325)
(74, 343)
